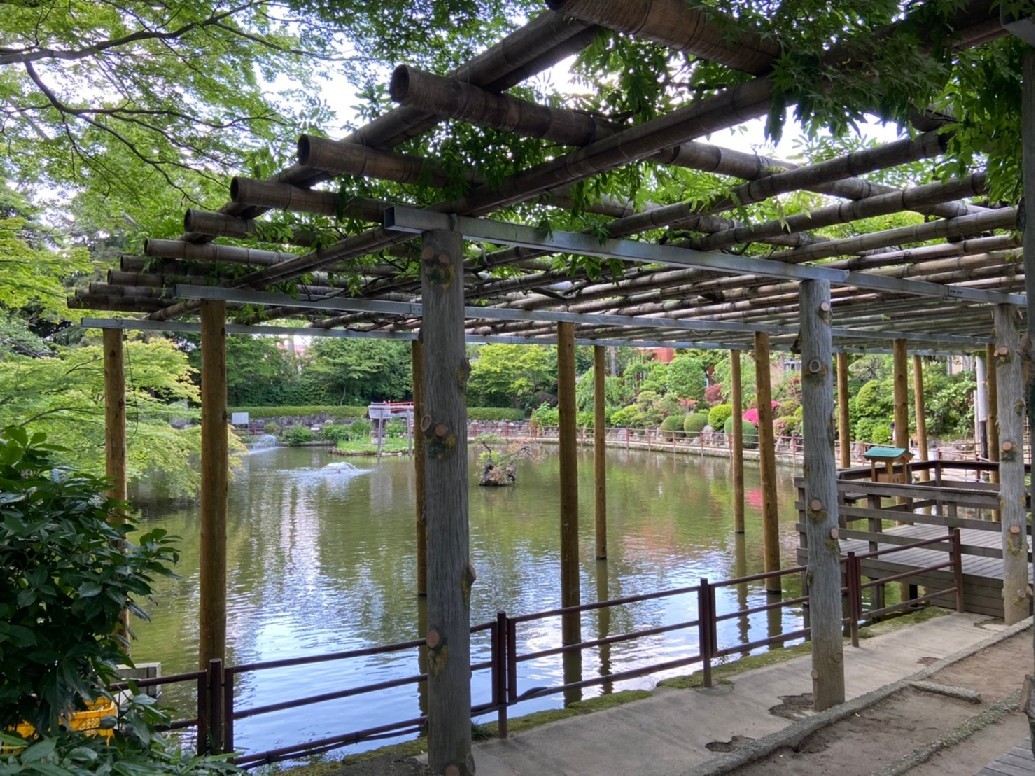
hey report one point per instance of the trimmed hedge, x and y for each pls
(345, 411)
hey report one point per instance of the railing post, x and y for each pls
(957, 567)
(854, 584)
(228, 710)
(511, 658)
(202, 744)
(499, 672)
(215, 705)
(705, 623)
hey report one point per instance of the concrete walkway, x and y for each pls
(669, 733)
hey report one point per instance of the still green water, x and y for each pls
(321, 558)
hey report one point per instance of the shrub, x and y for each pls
(718, 415)
(357, 429)
(395, 429)
(749, 430)
(672, 425)
(545, 416)
(628, 417)
(694, 424)
(494, 413)
(297, 435)
(270, 428)
(66, 575)
(335, 432)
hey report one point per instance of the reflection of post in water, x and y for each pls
(422, 655)
(572, 674)
(739, 571)
(774, 615)
(604, 624)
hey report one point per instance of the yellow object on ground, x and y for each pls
(87, 721)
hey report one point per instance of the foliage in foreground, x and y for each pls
(66, 574)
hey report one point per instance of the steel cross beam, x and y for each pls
(399, 218)
(415, 310)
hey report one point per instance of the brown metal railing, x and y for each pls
(217, 712)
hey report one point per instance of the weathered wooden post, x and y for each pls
(737, 402)
(571, 629)
(767, 463)
(214, 481)
(821, 513)
(844, 428)
(920, 410)
(1007, 364)
(992, 429)
(901, 384)
(419, 463)
(449, 570)
(115, 438)
(600, 450)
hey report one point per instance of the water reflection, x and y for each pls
(321, 558)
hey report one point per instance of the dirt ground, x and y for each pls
(921, 732)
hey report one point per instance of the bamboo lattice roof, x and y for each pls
(932, 283)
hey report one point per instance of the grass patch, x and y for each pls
(364, 447)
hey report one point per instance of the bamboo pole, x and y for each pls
(600, 449)
(214, 482)
(450, 574)
(767, 462)
(992, 425)
(844, 430)
(821, 509)
(682, 27)
(570, 592)
(419, 464)
(920, 410)
(737, 402)
(1007, 364)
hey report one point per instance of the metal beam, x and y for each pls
(414, 220)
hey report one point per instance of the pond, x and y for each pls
(321, 558)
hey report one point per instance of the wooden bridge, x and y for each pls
(932, 498)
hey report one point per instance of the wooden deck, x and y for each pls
(881, 515)
(1015, 762)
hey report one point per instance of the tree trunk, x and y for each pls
(449, 569)
(844, 428)
(821, 512)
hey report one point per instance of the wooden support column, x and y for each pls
(1028, 173)
(115, 439)
(737, 401)
(844, 428)
(992, 427)
(920, 410)
(1007, 364)
(767, 462)
(449, 569)
(901, 380)
(821, 523)
(600, 450)
(214, 480)
(571, 631)
(419, 462)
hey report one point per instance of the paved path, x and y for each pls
(1016, 762)
(669, 733)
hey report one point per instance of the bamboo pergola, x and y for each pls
(692, 274)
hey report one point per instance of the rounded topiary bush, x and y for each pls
(749, 430)
(719, 414)
(672, 426)
(694, 424)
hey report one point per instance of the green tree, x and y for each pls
(512, 376)
(686, 377)
(62, 395)
(356, 371)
